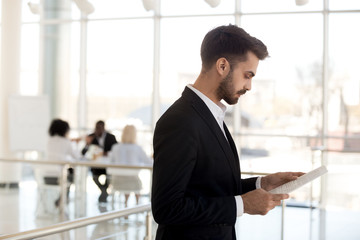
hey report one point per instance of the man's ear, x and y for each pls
(222, 66)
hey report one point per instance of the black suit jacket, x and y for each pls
(196, 174)
(108, 142)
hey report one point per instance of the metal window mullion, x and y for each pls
(325, 79)
(82, 103)
(156, 67)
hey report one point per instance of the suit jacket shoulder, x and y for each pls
(110, 140)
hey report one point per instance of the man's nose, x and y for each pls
(248, 85)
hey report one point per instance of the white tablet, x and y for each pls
(300, 181)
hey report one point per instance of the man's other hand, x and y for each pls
(261, 202)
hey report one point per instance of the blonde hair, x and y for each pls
(129, 134)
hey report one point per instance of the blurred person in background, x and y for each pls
(59, 148)
(128, 152)
(104, 140)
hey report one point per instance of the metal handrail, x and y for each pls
(88, 163)
(255, 173)
(81, 222)
(324, 149)
(252, 134)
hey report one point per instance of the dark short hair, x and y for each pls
(59, 127)
(101, 123)
(232, 43)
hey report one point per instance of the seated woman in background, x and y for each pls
(127, 153)
(59, 148)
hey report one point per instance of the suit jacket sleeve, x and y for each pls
(248, 184)
(110, 140)
(86, 148)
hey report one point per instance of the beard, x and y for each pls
(226, 90)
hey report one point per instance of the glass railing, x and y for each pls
(20, 212)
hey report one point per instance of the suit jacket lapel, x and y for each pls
(228, 148)
(233, 147)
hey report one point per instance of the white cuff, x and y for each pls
(258, 183)
(239, 206)
(239, 201)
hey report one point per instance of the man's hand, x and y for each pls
(89, 140)
(261, 202)
(277, 179)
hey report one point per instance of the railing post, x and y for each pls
(148, 226)
(283, 219)
(63, 189)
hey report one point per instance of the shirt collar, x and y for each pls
(217, 110)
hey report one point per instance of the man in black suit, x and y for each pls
(105, 140)
(197, 190)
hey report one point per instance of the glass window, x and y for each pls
(344, 5)
(120, 72)
(30, 11)
(189, 7)
(118, 8)
(29, 75)
(281, 117)
(344, 77)
(60, 57)
(75, 11)
(286, 93)
(72, 91)
(56, 9)
(342, 190)
(248, 6)
(180, 60)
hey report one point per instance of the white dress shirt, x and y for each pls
(218, 111)
(101, 140)
(58, 149)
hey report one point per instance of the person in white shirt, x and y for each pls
(127, 153)
(59, 148)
